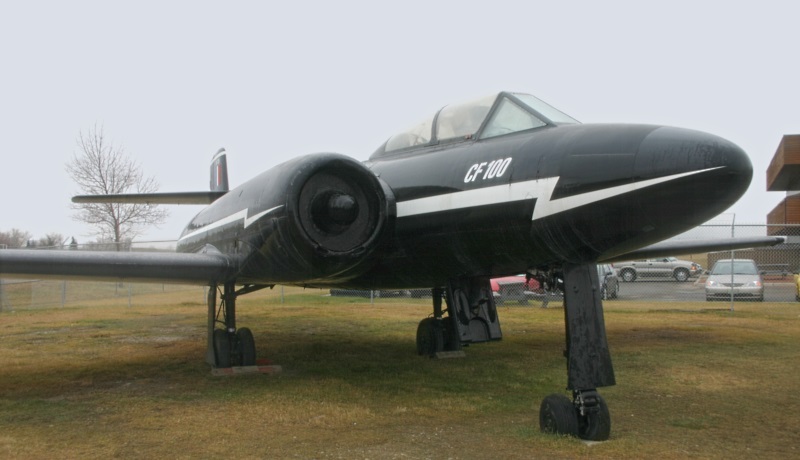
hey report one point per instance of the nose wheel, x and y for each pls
(586, 416)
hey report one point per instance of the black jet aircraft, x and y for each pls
(502, 185)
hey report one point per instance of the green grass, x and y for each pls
(93, 381)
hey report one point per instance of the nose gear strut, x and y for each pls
(588, 361)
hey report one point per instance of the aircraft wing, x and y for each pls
(153, 198)
(162, 267)
(681, 247)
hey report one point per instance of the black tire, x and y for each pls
(222, 348)
(681, 275)
(430, 339)
(557, 415)
(246, 347)
(595, 426)
(628, 275)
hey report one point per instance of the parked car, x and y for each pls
(666, 267)
(514, 288)
(609, 281)
(738, 276)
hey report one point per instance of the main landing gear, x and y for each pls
(228, 346)
(471, 317)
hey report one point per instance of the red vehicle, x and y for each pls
(515, 288)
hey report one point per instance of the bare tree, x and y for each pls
(51, 240)
(100, 168)
(15, 238)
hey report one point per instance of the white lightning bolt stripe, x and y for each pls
(240, 215)
(540, 189)
(549, 206)
(516, 191)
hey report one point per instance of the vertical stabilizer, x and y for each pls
(219, 172)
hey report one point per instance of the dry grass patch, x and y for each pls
(96, 381)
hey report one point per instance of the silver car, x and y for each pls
(663, 267)
(739, 277)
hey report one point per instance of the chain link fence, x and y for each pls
(681, 279)
(752, 275)
(684, 278)
(22, 294)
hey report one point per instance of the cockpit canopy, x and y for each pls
(487, 117)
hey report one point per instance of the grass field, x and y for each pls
(99, 381)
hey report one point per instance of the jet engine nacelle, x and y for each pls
(337, 213)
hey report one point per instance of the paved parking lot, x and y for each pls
(693, 290)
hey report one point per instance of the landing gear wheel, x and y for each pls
(430, 338)
(557, 415)
(222, 348)
(246, 347)
(596, 424)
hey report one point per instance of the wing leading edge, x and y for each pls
(680, 247)
(201, 268)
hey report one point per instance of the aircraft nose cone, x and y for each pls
(710, 173)
(668, 150)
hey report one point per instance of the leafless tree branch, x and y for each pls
(100, 168)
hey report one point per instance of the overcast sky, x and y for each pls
(171, 82)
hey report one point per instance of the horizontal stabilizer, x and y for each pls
(682, 247)
(153, 198)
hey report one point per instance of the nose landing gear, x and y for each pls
(588, 362)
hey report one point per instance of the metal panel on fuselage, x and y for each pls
(459, 234)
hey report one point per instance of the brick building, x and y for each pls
(783, 175)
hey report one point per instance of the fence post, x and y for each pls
(733, 232)
(63, 293)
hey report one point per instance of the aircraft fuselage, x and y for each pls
(491, 207)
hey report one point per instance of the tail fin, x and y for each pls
(219, 172)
